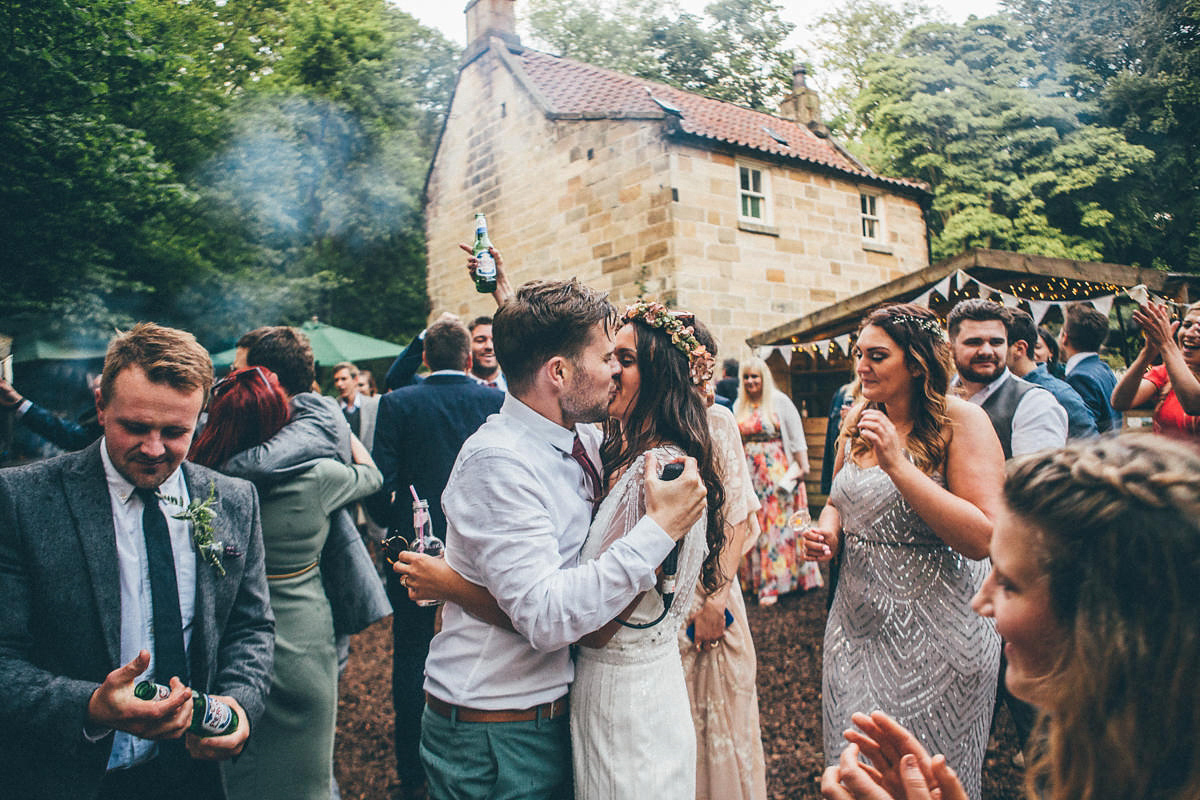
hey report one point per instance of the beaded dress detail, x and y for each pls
(901, 636)
(631, 723)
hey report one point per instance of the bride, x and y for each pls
(631, 726)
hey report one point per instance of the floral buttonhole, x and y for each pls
(200, 514)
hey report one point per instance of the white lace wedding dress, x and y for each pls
(631, 724)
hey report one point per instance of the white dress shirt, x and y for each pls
(137, 609)
(1038, 422)
(517, 513)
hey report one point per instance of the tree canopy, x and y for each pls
(221, 164)
(217, 165)
(734, 51)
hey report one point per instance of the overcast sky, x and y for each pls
(447, 16)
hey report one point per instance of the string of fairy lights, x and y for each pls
(1038, 298)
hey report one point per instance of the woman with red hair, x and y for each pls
(290, 754)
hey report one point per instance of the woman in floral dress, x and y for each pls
(773, 436)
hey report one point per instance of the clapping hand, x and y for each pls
(1155, 321)
(902, 768)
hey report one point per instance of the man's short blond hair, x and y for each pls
(166, 355)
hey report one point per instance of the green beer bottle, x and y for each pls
(210, 717)
(485, 272)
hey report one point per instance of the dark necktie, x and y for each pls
(169, 656)
(589, 470)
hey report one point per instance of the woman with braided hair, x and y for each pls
(1096, 564)
(915, 491)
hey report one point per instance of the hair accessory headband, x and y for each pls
(928, 324)
(683, 336)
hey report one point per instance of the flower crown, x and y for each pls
(683, 336)
(928, 324)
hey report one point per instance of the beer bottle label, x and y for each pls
(217, 717)
(486, 269)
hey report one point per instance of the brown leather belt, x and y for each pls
(545, 711)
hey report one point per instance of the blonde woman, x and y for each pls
(1095, 564)
(916, 488)
(773, 436)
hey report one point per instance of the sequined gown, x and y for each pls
(901, 636)
(631, 723)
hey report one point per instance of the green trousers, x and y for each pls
(497, 760)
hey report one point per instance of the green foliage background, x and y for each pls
(222, 164)
(216, 165)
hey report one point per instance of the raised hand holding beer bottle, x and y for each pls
(503, 289)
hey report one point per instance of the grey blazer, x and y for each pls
(60, 616)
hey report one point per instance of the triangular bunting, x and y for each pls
(786, 352)
(1103, 304)
(843, 343)
(1038, 309)
(922, 300)
(942, 287)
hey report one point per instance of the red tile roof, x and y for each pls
(573, 89)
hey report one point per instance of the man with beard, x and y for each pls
(1027, 418)
(484, 366)
(518, 505)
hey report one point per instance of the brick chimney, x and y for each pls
(802, 105)
(488, 18)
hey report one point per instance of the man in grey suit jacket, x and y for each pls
(85, 608)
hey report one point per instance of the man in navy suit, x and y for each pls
(1083, 331)
(418, 433)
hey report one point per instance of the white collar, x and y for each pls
(119, 485)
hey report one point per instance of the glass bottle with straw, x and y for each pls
(423, 539)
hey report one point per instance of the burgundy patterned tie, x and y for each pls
(589, 469)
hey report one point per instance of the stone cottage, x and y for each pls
(749, 219)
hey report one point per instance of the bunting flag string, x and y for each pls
(1037, 308)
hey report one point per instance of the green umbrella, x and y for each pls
(331, 344)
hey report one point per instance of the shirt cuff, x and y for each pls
(93, 734)
(23, 406)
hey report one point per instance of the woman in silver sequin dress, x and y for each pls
(917, 486)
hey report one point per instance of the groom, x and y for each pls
(518, 506)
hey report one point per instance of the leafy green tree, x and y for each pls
(733, 52)
(1013, 159)
(1139, 60)
(124, 129)
(847, 38)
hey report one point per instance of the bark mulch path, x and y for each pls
(788, 639)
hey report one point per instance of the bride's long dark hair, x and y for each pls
(669, 410)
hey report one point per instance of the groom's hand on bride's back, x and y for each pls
(675, 504)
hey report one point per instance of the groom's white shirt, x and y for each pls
(517, 514)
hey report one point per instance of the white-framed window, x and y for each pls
(754, 190)
(872, 216)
